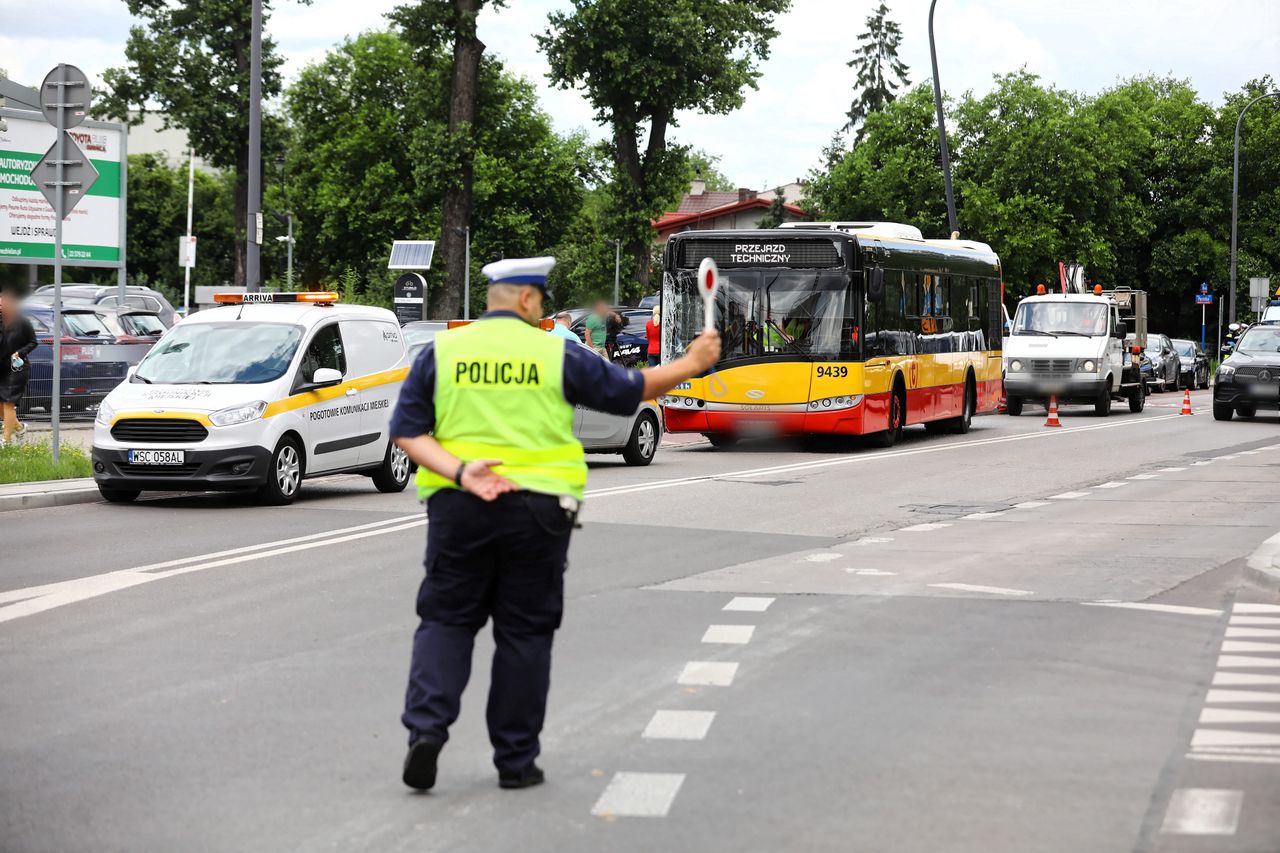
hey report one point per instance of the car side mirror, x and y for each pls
(875, 284)
(326, 376)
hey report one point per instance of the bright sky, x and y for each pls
(805, 87)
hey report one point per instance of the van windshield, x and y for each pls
(1061, 318)
(221, 354)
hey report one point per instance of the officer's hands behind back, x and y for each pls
(479, 478)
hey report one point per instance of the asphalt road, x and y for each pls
(1021, 639)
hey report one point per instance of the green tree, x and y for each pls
(777, 212)
(429, 24)
(369, 144)
(880, 73)
(701, 164)
(190, 58)
(639, 63)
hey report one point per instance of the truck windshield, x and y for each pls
(221, 354)
(1061, 318)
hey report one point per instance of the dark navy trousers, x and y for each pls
(503, 560)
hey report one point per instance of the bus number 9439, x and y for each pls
(835, 371)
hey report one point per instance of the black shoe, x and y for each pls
(420, 764)
(526, 778)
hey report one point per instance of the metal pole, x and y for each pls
(288, 275)
(466, 276)
(122, 270)
(617, 264)
(55, 398)
(191, 193)
(1235, 198)
(253, 258)
(942, 130)
(1203, 310)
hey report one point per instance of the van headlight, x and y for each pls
(1015, 366)
(1088, 366)
(105, 415)
(238, 414)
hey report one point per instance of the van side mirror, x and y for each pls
(875, 284)
(326, 376)
(1118, 331)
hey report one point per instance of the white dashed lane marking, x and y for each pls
(734, 635)
(1244, 679)
(1233, 716)
(1239, 697)
(1203, 811)
(992, 590)
(1250, 646)
(1257, 608)
(1236, 633)
(749, 604)
(1244, 662)
(708, 673)
(979, 516)
(1114, 484)
(1171, 470)
(1068, 496)
(1030, 504)
(679, 725)
(929, 525)
(1255, 620)
(1142, 477)
(1156, 608)
(638, 795)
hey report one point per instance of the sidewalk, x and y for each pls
(47, 493)
(77, 433)
(1263, 564)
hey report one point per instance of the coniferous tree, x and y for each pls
(880, 73)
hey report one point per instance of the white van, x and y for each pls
(257, 394)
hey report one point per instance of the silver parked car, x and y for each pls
(635, 436)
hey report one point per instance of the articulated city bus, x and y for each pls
(851, 328)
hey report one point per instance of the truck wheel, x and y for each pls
(1013, 405)
(1223, 411)
(284, 474)
(1102, 405)
(393, 474)
(1138, 397)
(118, 496)
(643, 445)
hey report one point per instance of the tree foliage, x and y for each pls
(190, 58)
(640, 62)
(1134, 182)
(880, 72)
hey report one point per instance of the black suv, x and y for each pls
(1250, 378)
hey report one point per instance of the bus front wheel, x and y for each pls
(897, 415)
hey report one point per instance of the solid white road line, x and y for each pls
(1203, 811)
(1227, 737)
(1245, 607)
(928, 525)
(1231, 716)
(1239, 633)
(733, 635)
(1249, 646)
(1156, 608)
(1244, 679)
(1246, 662)
(707, 673)
(1231, 697)
(638, 795)
(679, 725)
(1114, 484)
(1030, 504)
(1068, 496)
(993, 590)
(749, 604)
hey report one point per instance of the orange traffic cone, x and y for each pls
(1186, 403)
(1052, 420)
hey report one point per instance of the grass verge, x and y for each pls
(30, 461)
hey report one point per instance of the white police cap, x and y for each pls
(520, 271)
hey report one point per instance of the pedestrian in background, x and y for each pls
(597, 328)
(17, 340)
(487, 413)
(653, 332)
(613, 327)
(562, 328)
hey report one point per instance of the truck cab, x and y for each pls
(1072, 346)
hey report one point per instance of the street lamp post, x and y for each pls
(1235, 200)
(465, 233)
(253, 249)
(284, 196)
(942, 130)
(617, 268)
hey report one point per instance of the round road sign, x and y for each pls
(65, 89)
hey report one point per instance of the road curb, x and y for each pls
(69, 492)
(1263, 565)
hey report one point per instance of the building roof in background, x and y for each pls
(690, 203)
(676, 220)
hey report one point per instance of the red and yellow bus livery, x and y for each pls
(853, 328)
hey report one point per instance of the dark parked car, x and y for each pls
(1250, 379)
(1195, 364)
(92, 362)
(108, 296)
(632, 343)
(135, 331)
(650, 301)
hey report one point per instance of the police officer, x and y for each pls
(487, 413)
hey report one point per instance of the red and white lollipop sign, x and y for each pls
(708, 284)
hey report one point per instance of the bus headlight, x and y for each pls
(238, 414)
(828, 403)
